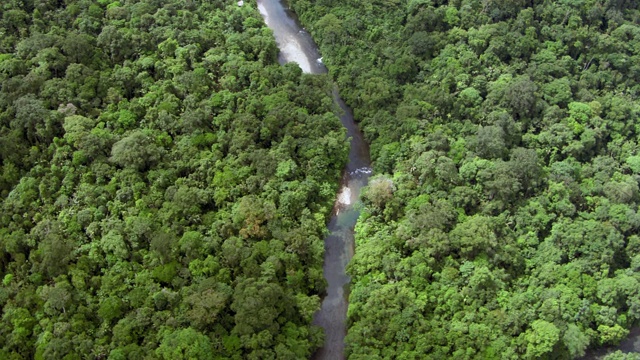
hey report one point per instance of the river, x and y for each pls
(630, 344)
(296, 45)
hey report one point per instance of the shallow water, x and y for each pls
(296, 45)
(630, 344)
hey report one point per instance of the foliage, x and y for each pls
(503, 221)
(164, 183)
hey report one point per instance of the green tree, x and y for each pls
(33, 119)
(541, 339)
(138, 150)
(184, 344)
(575, 340)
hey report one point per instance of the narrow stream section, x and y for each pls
(628, 345)
(296, 45)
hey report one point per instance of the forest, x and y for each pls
(164, 183)
(503, 220)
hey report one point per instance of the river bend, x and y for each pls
(296, 45)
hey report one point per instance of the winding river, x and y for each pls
(296, 45)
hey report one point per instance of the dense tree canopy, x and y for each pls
(164, 183)
(503, 222)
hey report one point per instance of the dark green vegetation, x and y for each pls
(165, 183)
(503, 221)
(619, 355)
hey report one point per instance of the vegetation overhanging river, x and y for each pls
(296, 45)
